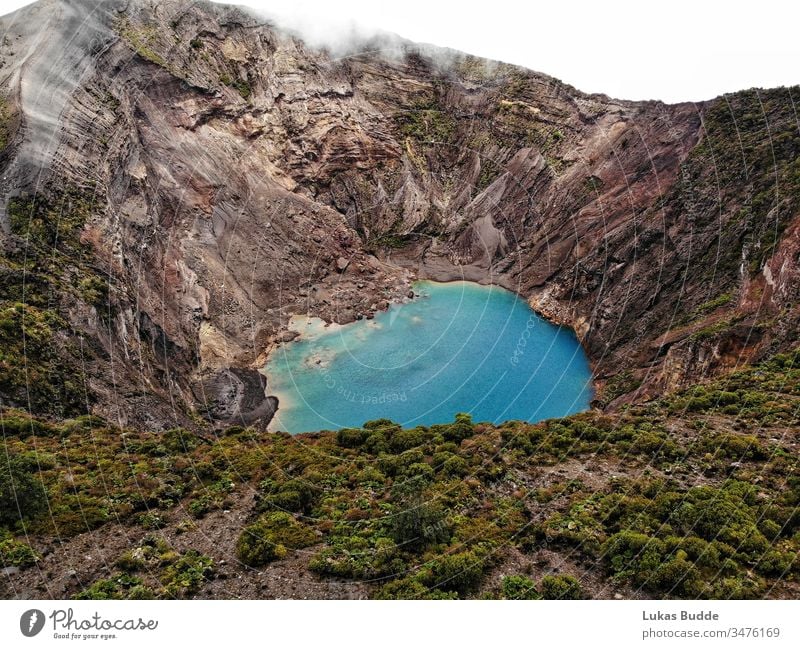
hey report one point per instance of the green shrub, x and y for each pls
(410, 588)
(295, 495)
(702, 553)
(518, 587)
(371, 477)
(269, 537)
(47, 224)
(739, 587)
(351, 437)
(179, 440)
(21, 494)
(561, 587)
(713, 514)
(14, 423)
(77, 512)
(132, 560)
(15, 553)
(426, 122)
(243, 88)
(199, 507)
(460, 429)
(405, 439)
(185, 576)
(31, 372)
(635, 555)
(419, 524)
(775, 563)
(5, 124)
(677, 575)
(735, 446)
(353, 556)
(770, 529)
(654, 444)
(455, 467)
(94, 290)
(461, 572)
(420, 470)
(151, 520)
(117, 587)
(153, 551)
(254, 550)
(381, 424)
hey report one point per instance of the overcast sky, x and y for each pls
(678, 50)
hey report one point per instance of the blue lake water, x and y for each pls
(458, 347)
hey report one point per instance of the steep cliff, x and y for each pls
(179, 178)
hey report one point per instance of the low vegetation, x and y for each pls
(153, 570)
(271, 536)
(426, 121)
(741, 184)
(143, 39)
(5, 124)
(698, 497)
(51, 270)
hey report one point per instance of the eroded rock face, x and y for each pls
(236, 396)
(240, 177)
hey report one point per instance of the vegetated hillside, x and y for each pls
(692, 496)
(180, 178)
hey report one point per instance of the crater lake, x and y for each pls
(456, 347)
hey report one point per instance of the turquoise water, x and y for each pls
(459, 347)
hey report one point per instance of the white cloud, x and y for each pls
(682, 50)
